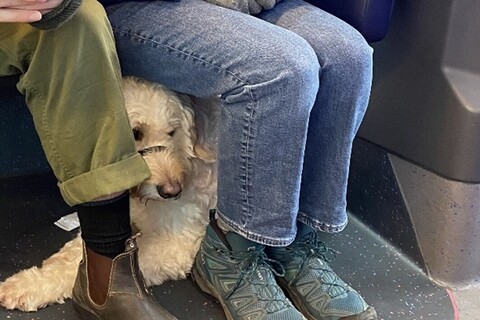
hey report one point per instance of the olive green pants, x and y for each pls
(71, 79)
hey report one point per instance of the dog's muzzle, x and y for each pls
(169, 190)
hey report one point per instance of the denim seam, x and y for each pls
(248, 147)
(188, 54)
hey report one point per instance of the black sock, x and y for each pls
(106, 225)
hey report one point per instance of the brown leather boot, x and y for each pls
(127, 297)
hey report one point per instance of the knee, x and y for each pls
(302, 65)
(293, 62)
(358, 52)
(89, 23)
(347, 54)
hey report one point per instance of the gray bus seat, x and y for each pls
(424, 116)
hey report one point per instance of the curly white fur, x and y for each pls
(171, 228)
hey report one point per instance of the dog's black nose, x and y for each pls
(169, 190)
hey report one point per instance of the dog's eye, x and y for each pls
(137, 134)
(171, 133)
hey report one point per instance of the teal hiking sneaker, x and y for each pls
(238, 274)
(312, 285)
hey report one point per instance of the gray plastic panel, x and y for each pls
(446, 222)
(375, 196)
(425, 103)
(431, 219)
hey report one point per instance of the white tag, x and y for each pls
(68, 222)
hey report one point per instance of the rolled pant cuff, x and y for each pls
(116, 177)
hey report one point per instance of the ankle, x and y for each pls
(98, 270)
(223, 226)
(303, 229)
(106, 224)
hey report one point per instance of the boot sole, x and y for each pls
(368, 314)
(83, 313)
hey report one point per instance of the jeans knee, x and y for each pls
(304, 67)
(360, 53)
(350, 55)
(279, 70)
(296, 64)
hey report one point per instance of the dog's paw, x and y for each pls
(18, 300)
(19, 292)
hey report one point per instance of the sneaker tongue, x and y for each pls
(239, 243)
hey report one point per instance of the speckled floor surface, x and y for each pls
(392, 284)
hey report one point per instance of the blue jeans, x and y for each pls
(294, 82)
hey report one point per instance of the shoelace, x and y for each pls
(249, 263)
(309, 246)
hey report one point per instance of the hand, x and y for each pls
(252, 7)
(25, 10)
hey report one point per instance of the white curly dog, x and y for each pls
(176, 136)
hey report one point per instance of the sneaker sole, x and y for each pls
(199, 279)
(368, 314)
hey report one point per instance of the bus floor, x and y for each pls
(395, 286)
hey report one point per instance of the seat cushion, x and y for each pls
(370, 17)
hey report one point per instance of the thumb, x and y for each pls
(267, 4)
(254, 7)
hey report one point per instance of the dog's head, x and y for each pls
(166, 135)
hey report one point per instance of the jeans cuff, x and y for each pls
(321, 226)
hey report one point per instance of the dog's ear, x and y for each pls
(206, 114)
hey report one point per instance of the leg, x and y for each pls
(268, 80)
(346, 71)
(264, 122)
(84, 132)
(345, 81)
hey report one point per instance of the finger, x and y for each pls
(15, 15)
(267, 4)
(11, 3)
(36, 6)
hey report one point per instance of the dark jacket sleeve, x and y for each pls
(59, 15)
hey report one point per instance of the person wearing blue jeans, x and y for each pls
(294, 82)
